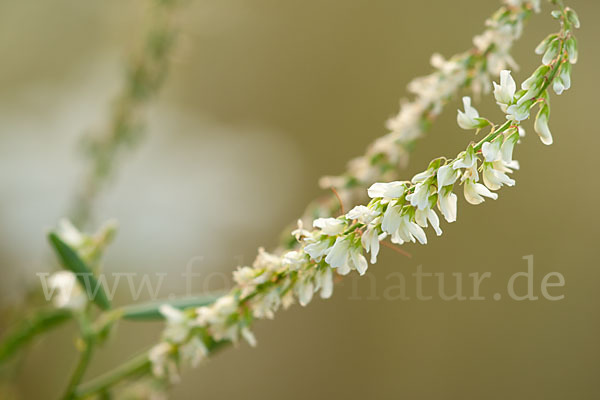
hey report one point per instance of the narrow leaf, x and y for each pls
(72, 262)
(27, 329)
(149, 311)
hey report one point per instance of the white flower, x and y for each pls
(370, 241)
(300, 231)
(421, 217)
(265, 305)
(266, 261)
(505, 91)
(162, 363)
(509, 166)
(330, 226)
(287, 299)
(563, 81)
(474, 192)
(391, 218)
(519, 3)
(446, 66)
(408, 231)
(363, 214)
(469, 119)
(541, 125)
(508, 146)
(344, 256)
(466, 160)
(387, 191)
(446, 175)
(470, 173)
(494, 176)
(225, 305)
(178, 324)
(420, 197)
(216, 318)
(324, 282)
(193, 351)
(421, 176)
(491, 150)
(293, 260)
(518, 112)
(536, 79)
(358, 260)
(338, 255)
(305, 290)
(318, 249)
(70, 234)
(248, 276)
(66, 291)
(216, 313)
(447, 205)
(249, 336)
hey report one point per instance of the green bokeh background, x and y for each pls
(280, 93)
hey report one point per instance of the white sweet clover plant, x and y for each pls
(472, 70)
(399, 211)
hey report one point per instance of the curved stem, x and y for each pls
(82, 364)
(40, 322)
(137, 365)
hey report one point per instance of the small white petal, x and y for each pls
(418, 233)
(491, 150)
(326, 283)
(172, 314)
(317, 250)
(305, 293)
(391, 219)
(330, 226)
(541, 127)
(363, 214)
(448, 206)
(474, 192)
(249, 336)
(359, 261)
(338, 254)
(446, 175)
(505, 92)
(435, 221)
(390, 190)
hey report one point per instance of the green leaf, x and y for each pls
(30, 327)
(72, 262)
(150, 311)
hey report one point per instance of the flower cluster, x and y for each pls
(473, 70)
(181, 344)
(398, 210)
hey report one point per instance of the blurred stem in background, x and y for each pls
(125, 124)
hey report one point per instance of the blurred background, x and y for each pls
(263, 98)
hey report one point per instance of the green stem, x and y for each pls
(492, 135)
(40, 322)
(137, 365)
(84, 361)
(150, 311)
